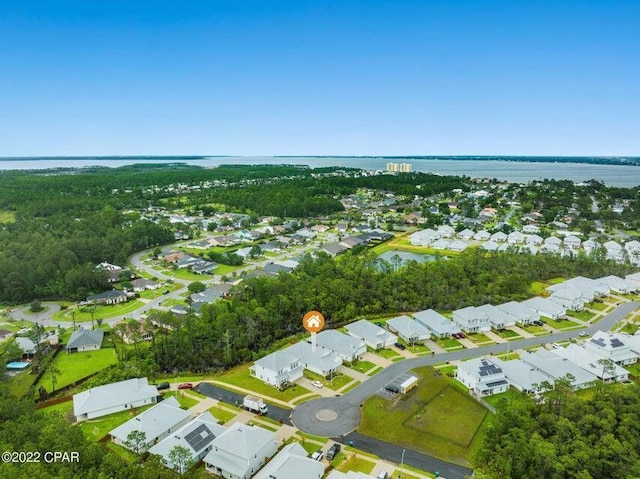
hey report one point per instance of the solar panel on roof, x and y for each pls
(199, 437)
(599, 341)
(616, 343)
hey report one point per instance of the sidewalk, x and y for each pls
(494, 337)
(521, 332)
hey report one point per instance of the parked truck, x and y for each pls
(255, 404)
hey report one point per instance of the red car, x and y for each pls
(185, 386)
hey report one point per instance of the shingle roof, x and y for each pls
(111, 395)
(85, 337)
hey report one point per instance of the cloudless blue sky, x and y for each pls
(372, 77)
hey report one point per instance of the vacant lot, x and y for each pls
(241, 378)
(75, 366)
(436, 418)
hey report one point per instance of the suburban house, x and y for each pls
(85, 340)
(482, 235)
(520, 312)
(423, 237)
(27, 346)
(482, 377)
(471, 320)
(321, 361)
(545, 307)
(499, 237)
(156, 422)
(408, 329)
(112, 270)
(277, 369)
(555, 367)
(569, 298)
(438, 325)
(593, 363)
(515, 237)
(614, 251)
(240, 451)
(349, 348)
(618, 285)
(115, 397)
(613, 346)
(521, 375)
(292, 463)
(374, 336)
(572, 242)
(499, 318)
(140, 284)
(634, 278)
(196, 437)
(114, 296)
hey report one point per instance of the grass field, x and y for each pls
(560, 324)
(596, 306)
(240, 377)
(7, 217)
(629, 328)
(75, 366)
(507, 334)
(363, 366)
(449, 343)
(185, 401)
(424, 417)
(351, 462)
(335, 382)
(375, 371)
(350, 387)
(533, 329)
(479, 338)
(582, 315)
(388, 354)
(96, 429)
(101, 312)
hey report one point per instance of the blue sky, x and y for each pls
(325, 77)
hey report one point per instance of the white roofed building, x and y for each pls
(438, 325)
(374, 336)
(482, 377)
(523, 314)
(471, 321)
(614, 346)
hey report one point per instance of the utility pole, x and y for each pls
(401, 463)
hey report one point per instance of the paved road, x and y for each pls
(347, 406)
(393, 453)
(235, 399)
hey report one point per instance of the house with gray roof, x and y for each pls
(593, 363)
(85, 340)
(196, 437)
(27, 346)
(498, 318)
(140, 284)
(408, 329)
(347, 347)
(554, 367)
(618, 285)
(157, 422)
(634, 278)
(115, 296)
(569, 298)
(616, 347)
(334, 248)
(321, 361)
(437, 324)
(522, 314)
(240, 451)
(521, 375)
(545, 307)
(278, 369)
(292, 463)
(482, 377)
(374, 336)
(276, 268)
(471, 320)
(115, 397)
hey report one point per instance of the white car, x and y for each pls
(317, 384)
(317, 456)
(584, 334)
(555, 346)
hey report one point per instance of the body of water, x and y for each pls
(513, 171)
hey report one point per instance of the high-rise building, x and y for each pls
(400, 167)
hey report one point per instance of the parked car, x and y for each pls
(318, 455)
(317, 384)
(555, 346)
(400, 346)
(333, 451)
(584, 334)
(162, 386)
(383, 475)
(185, 386)
(392, 388)
(537, 322)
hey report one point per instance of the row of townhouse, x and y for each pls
(576, 292)
(600, 359)
(284, 367)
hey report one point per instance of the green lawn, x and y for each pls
(634, 369)
(185, 401)
(533, 329)
(350, 462)
(335, 382)
(436, 418)
(240, 377)
(537, 288)
(629, 328)
(419, 349)
(479, 338)
(363, 366)
(129, 456)
(222, 414)
(596, 306)
(561, 323)
(63, 408)
(449, 343)
(375, 371)
(582, 315)
(350, 387)
(96, 429)
(75, 366)
(101, 312)
(388, 354)
(507, 334)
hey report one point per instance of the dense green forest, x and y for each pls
(264, 310)
(567, 436)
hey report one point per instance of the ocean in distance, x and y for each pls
(520, 171)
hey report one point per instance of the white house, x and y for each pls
(322, 361)
(534, 239)
(555, 367)
(240, 451)
(531, 229)
(592, 362)
(446, 231)
(515, 237)
(437, 324)
(85, 340)
(423, 237)
(634, 278)
(613, 346)
(490, 246)
(482, 235)
(521, 375)
(196, 437)
(347, 347)
(277, 369)
(292, 463)
(374, 336)
(115, 397)
(457, 245)
(618, 285)
(590, 245)
(523, 314)
(471, 320)
(499, 237)
(156, 422)
(569, 298)
(545, 307)
(614, 251)
(482, 377)
(572, 242)
(408, 329)
(465, 234)
(499, 318)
